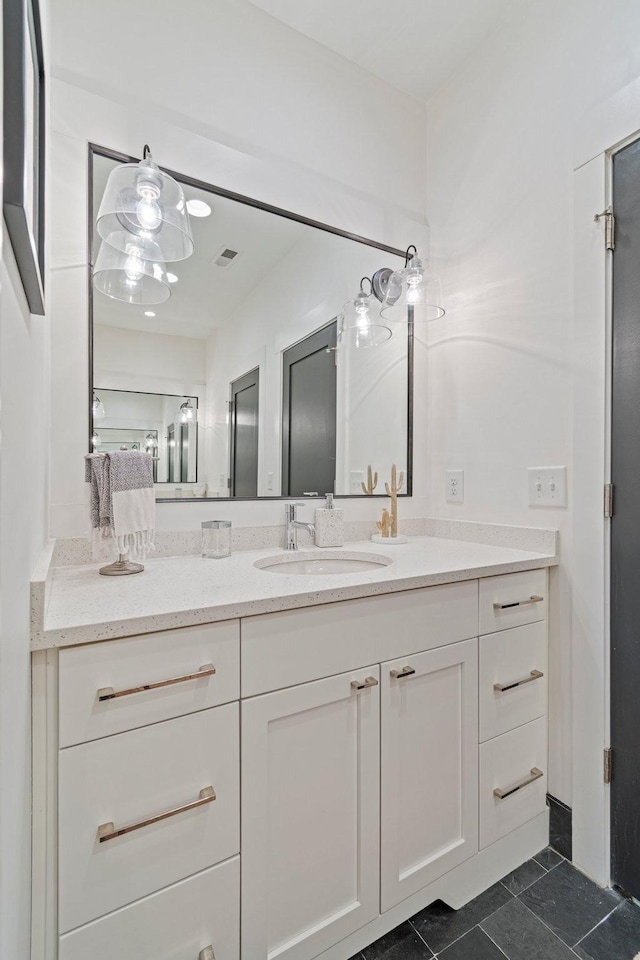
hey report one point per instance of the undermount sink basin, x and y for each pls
(311, 564)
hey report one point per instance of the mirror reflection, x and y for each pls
(251, 378)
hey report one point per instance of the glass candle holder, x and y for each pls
(216, 539)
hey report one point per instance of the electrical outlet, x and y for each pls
(455, 486)
(547, 486)
(269, 482)
(223, 481)
(356, 479)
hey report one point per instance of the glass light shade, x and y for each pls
(187, 412)
(97, 408)
(96, 440)
(360, 325)
(413, 293)
(141, 201)
(135, 274)
(150, 441)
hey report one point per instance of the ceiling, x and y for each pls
(414, 45)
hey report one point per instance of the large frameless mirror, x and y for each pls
(258, 366)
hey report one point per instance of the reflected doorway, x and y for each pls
(244, 407)
(309, 415)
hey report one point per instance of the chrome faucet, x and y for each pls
(292, 525)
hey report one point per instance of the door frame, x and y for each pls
(232, 421)
(603, 131)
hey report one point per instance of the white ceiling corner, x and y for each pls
(414, 45)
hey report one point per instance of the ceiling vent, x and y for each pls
(224, 257)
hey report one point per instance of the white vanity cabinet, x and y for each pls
(429, 794)
(310, 807)
(293, 784)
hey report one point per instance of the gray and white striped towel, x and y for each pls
(122, 502)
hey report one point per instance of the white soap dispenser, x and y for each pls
(329, 524)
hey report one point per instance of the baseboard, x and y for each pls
(560, 817)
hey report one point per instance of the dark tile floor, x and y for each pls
(544, 910)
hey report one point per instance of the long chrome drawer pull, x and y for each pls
(405, 672)
(517, 603)
(535, 775)
(367, 682)
(534, 675)
(108, 693)
(207, 954)
(108, 831)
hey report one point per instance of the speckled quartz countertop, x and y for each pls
(81, 607)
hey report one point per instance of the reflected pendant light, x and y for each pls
(136, 275)
(187, 413)
(96, 440)
(412, 293)
(97, 408)
(142, 201)
(358, 324)
(150, 441)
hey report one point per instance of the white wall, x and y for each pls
(24, 437)
(147, 362)
(245, 103)
(24, 422)
(499, 196)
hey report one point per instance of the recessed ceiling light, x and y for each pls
(171, 277)
(198, 208)
(149, 313)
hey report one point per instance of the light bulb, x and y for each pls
(149, 214)
(186, 412)
(413, 294)
(133, 267)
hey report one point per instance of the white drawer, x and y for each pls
(175, 924)
(512, 600)
(135, 662)
(296, 646)
(131, 778)
(513, 681)
(512, 764)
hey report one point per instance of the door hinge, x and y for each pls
(608, 764)
(608, 500)
(609, 227)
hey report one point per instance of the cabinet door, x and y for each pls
(429, 803)
(310, 815)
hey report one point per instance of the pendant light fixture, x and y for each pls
(136, 275)
(96, 440)
(187, 413)
(97, 408)
(150, 441)
(359, 324)
(143, 202)
(411, 294)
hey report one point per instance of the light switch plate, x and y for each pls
(547, 486)
(455, 486)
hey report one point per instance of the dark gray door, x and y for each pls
(185, 431)
(625, 525)
(309, 415)
(171, 454)
(243, 470)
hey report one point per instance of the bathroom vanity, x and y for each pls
(265, 765)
